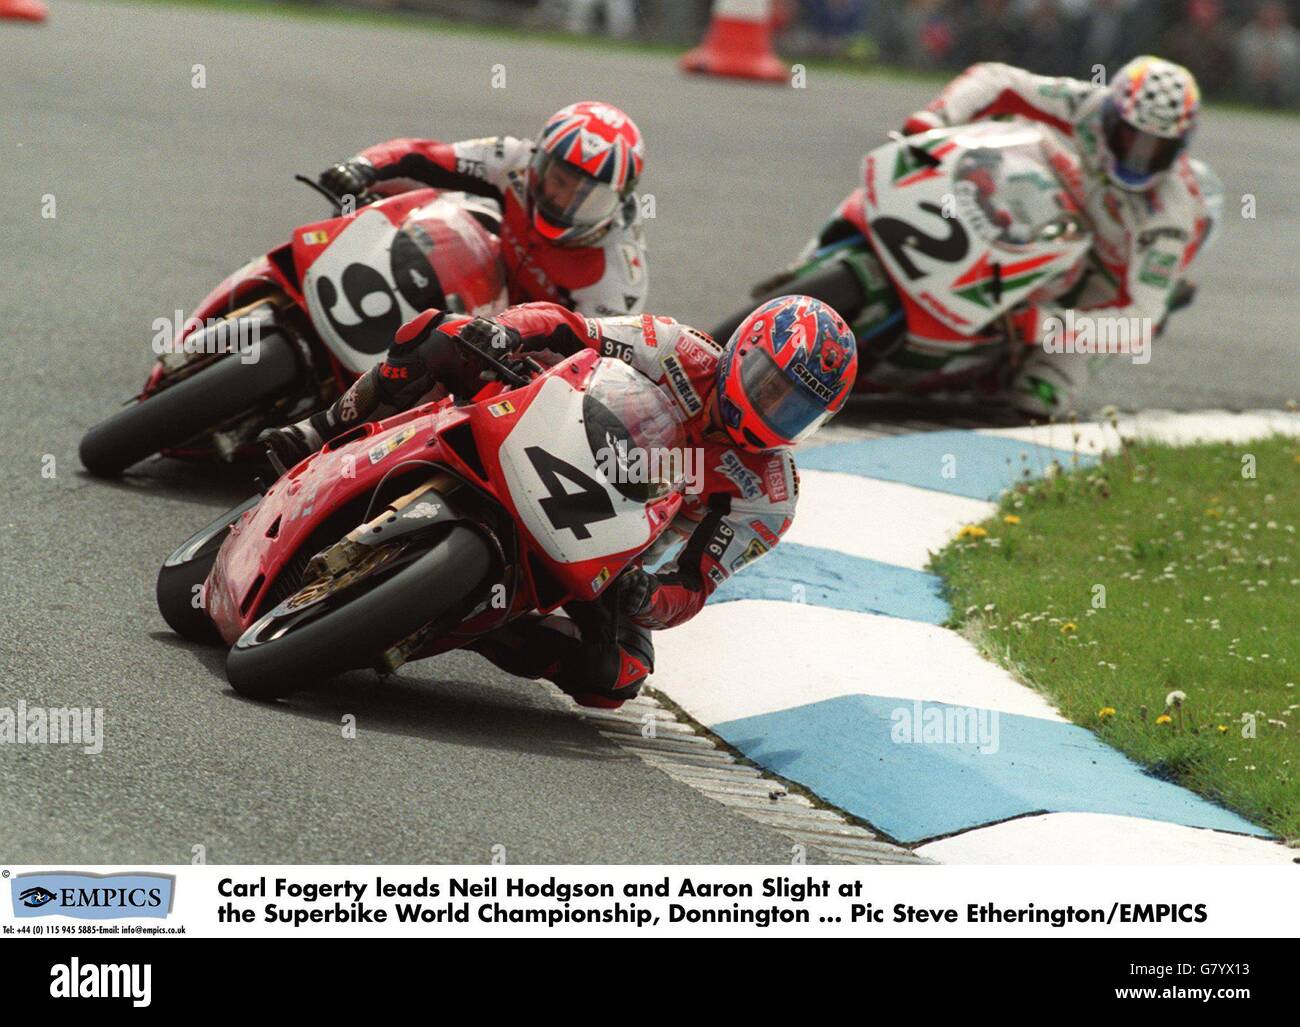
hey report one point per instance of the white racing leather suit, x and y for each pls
(1144, 241)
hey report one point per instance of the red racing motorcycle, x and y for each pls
(417, 534)
(286, 333)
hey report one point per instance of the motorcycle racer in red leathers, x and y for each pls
(787, 368)
(570, 228)
(1151, 209)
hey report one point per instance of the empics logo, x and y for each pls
(34, 898)
(75, 979)
(92, 896)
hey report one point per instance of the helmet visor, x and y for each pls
(568, 196)
(1138, 155)
(790, 409)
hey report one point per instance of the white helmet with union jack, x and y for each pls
(587, 163)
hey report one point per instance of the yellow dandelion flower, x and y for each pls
(1069, 627)
(1106, 712)
(1222, 729)
(971, 531)
(1010, 519)
(1164, 718)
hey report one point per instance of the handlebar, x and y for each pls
(507, 371)
(335, 201)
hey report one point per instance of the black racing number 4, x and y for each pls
(566, 509)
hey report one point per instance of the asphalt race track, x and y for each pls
(161, 189)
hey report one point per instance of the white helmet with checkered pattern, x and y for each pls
(1148, 117)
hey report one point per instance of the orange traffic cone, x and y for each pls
(738, 43)
(23, 10)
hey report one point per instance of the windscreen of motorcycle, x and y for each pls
(970, 221)
(583, 466)
(377, 273)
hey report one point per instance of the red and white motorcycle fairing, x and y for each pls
(539, 461)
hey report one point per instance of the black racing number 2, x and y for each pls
(565, 509)
(898, 236)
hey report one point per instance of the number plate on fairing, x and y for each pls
(351, 293)
(557, 484)
(938, 243)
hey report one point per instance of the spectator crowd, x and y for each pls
(1247, 50)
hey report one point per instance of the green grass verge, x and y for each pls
(1162, 570)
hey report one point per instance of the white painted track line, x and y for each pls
(878, 520)
(772, 656)
(1064, 839)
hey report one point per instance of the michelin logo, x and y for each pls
(87, 896)
(681, 385)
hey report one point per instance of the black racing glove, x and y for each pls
(490, 337)
(350, 178)
(636, 587)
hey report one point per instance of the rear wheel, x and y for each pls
(834, 284)
(288, 651)
(200, 403)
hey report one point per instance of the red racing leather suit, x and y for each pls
(605, 278)
(740, 503)
(737, 505)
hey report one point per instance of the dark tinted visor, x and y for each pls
(1138, 154)
(789, 408)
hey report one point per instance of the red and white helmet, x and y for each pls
(587, 163)
(1148, 117)
(787, 368)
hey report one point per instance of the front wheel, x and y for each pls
(181, 578)
(284, 652)
(197, 404)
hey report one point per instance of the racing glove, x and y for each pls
(636, 587)
(350, 178)
(921, 121)
(491, 337)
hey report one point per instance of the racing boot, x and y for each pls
(1044, 386)
(418, 359)
(595, 672)
(364, 401)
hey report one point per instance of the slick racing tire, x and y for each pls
(201, 403)
(834, 284)
(188, 568)
(176, 592)
(279, 655)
